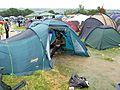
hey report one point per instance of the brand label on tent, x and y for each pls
(34, 60)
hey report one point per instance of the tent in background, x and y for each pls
(94, 21)
(117, 20)
(73, 26)
(80, 18)
(114, 16)
(34, 23)
(103, 37)
(118, 28)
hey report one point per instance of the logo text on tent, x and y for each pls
(34, 60)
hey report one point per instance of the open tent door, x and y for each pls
(78, 46)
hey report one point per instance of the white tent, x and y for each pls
(79, 18)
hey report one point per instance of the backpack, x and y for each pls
(76, 81)
(4, 86)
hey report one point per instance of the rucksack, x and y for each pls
(80, 82)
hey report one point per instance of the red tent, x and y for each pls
(73, 26)
(1, 22)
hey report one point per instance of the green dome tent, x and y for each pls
(103, 37)
(26, 52)
(95, 21)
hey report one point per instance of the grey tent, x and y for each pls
(88, 26)
(102, 38)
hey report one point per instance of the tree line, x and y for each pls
(81, 10)
(15, 12)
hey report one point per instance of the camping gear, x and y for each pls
(80, 82)
(118, 86)
(95, 21)
(4, 86)
(103, 37)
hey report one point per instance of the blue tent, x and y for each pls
(26, 52)
(73, 43)
(34, 23)
(30, 50)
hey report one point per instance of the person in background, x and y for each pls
(1, 30)
(57, 44)
(6, 26)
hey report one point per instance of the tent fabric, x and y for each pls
(106, 20)
(59, 16)
(118, 28)
(80, 18)
(95, 21)
(34, 23)
(114, 16)
(117, 21)
(73, 26)
(72, 40)
(46, 14)
(88, 26)
(102, 38)
(30, 50)
(26, 52)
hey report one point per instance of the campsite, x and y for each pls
(101, 70)
(75, 48)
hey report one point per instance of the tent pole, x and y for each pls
(10, 56)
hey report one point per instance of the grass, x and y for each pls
(39, 80)
(15, 27)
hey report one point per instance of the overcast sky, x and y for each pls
(88, 4)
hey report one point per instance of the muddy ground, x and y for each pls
(102, 68)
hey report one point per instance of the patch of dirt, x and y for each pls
(99, 72)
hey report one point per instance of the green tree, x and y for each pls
(51, 11)
(27, 12)
(15, 12)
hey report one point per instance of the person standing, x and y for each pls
(6, 26)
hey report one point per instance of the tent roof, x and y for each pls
(79, 18)
(33, 15)
(46, 14)
(51, 22)
(103, 38)
(34, 23)
(114, 16)
(73, 26)
(106, 20)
